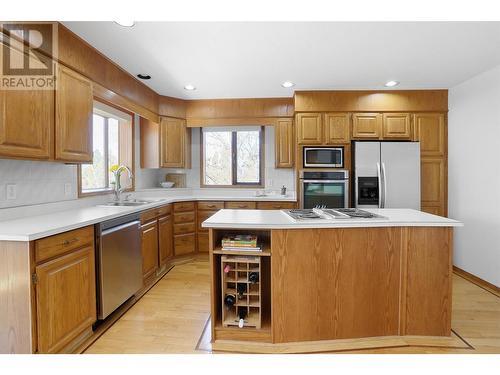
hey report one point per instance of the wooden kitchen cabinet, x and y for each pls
(73, 120)
(165, 239)
(149, 241)
(150, 143)
(433, 185)
(65, 298)
(26, 124)
(337, 128)
(430, 131)
(396, 126)
(309, 129)
(175, 143)
(184, 228)
(366, 125)
(284, 143)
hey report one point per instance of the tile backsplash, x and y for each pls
(33, 182)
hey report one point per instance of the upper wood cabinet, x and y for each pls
(366, 125)
(337, 128)
(175, 143)
(430, 131)
(309, 128)
(150, 143)
(74, 108)
(65, 299)
(396, 126)
(284, 143)
(26, 123)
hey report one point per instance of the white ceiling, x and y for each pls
(238, 60)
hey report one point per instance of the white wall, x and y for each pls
(274, 178)
(474, 174)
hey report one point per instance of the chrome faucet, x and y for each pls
(118, 191)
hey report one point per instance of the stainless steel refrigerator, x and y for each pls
(387, 175)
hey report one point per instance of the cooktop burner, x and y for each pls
(301, 214)
(331, 213)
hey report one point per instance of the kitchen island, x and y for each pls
(327, 281)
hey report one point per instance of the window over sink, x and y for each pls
(112, 144)
(232, 156)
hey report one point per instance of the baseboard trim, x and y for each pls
(477, 281)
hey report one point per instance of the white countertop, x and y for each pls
(33, 227)
(276, 219)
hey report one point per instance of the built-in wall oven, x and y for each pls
(328, 189)
(323, 157)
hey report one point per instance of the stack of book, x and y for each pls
(241, 242)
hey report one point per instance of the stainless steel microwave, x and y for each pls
(323, 157)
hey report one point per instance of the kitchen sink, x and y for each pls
(130, 203)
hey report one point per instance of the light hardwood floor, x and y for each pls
(172, 318)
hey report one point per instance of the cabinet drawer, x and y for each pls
(184, 228)
(154, 213)
(184, 244)
(183, 206)
(202, 216)
(184, 217)
(53, 246)
(241, 205)
(275, 205)
(210, 205)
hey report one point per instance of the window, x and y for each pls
(112, 134)
(232, 157)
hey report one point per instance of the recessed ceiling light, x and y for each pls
(391, 83)
(125, 23)
(287, 84)
(189, 88)
(144, 76)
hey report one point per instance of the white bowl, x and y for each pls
(167, 184)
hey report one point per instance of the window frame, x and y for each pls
(234, 161)
(109, 190)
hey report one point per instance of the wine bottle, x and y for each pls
(229, 300)
(242, 313)
(241, 288)
(253, 277)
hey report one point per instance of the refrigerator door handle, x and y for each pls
(384, 179)
(379, 177)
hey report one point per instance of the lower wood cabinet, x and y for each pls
(165, 239)
(275, 205)
(149, 240)
(241, 205)
(65, 296)
(184, 228)
(185, 243)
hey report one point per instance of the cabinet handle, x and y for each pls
(69, 242)
(210, 205)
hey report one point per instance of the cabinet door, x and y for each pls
(65, 299)
(26, 123)
(150, 144)
(366, 125)
(149, 235)
(74, 107)
(174, 143)
(309, 129)
(337, 129)
(284, 145)
(396, 126)
(165, 239)
(430, 131)
(433, 174)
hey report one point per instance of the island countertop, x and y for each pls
(277, 219)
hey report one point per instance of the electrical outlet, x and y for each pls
(11, 191)
(67, 189)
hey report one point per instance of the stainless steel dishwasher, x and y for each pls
(119, 262)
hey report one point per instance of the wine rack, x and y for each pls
(235, 272)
